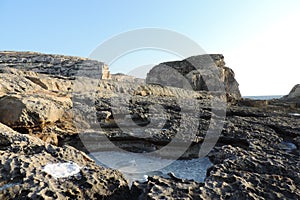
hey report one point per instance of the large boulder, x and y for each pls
(33, 112)
(35, 103)
(26, 173)
(199, 73)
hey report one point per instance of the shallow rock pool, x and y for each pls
(137, 167)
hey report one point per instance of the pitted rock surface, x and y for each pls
(256, 156)
(22, 177)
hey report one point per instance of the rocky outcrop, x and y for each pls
(42, 105)
(53, 64)
(35, 104)
(119, 77)
(32, 113)
(105, 72)
(295, 92)
(23, 176)
(199, 73)
(256, 156)
(292, 99)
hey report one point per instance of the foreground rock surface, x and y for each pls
(22, 177)
(256, 156)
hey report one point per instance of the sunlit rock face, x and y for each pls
(105, 72)
(55, 64)
(256, 155)
(199, 73)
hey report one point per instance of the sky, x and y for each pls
(260, 39)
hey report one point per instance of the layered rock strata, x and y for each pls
(255, 157)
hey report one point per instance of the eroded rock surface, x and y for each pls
(256, 156)
(52, 64)
(22, 176)
(295, 92)
(199, 73)
(293, 98)
(252, 160)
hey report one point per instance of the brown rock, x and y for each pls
(32, 111)
(105, 72)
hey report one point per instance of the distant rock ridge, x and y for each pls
(120, 77)
(54, 64)
(204, 78)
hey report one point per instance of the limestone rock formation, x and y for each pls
(54, 64)
(35, 103)
(255, 157)
(43, 104)
(251, 161)
(199, 73)
(292, 99)
(295, 92)
(33, 112)
(22, 174)
(105, 72)
(120, 77)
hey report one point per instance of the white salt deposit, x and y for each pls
(62, 170)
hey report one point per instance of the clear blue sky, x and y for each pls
(235, 28)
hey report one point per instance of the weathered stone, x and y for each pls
(249, 161)
(32, 113)
(119, 77)
(22, 174)
(292, 100)
(105, 72)
(199, 73)
(53, 64)
(256, 156)
(295, 92)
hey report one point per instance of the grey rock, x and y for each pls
(199, 73)
(295, 92)
(53, 64)
(250, 161)
(23, 159)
